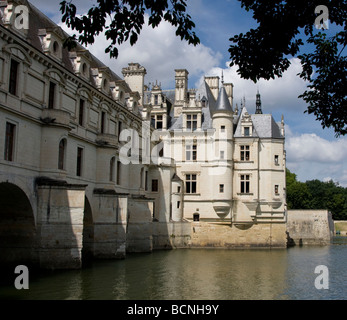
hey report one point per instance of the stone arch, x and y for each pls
(17, 227)
(19, 52)
(88, 232)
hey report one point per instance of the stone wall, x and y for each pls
(309, 227)
(171, 235)
(225, 235)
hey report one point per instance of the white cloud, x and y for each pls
(312, 157)
(279, 93)
(160, 51)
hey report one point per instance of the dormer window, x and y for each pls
(51, 40)
(56, 48)
(247, 125)
(203, 103)
(192, 122)
(105, 84)
(81, 62)
(84, 69)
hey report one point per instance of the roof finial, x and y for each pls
(258, 104)
(222, 78)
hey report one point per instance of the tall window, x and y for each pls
(61, 156)
(191, 183)
(245, 183)
(192, 122)
(221, 153)
(112, 164)
(156, 99)
(146, 180)
(157, 121)
(276, 189)
(81, 113)
(191, 152)
(155, 185)
(119, 129)
(221, 188)
(118, 172)
(13, 77)
(276, 160)
(245, 153)
(246, 132)
(103, 121)
(79, 161)
(9, 141)
(51, 95)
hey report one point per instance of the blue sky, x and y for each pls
(312, 153)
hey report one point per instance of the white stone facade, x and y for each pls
(81, 165)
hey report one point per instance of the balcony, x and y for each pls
(55, 117)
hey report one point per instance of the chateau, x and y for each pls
(94, 164)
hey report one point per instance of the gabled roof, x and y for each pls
(264, 126)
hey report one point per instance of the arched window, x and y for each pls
(112, 167)
(196, 217)
(55, 47)
(61, 156)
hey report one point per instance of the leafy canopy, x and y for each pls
(123, 20)
(284, 26)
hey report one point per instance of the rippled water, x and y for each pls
(190, 274)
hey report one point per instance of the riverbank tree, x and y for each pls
(316, 194)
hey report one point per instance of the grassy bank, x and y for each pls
(341, 226)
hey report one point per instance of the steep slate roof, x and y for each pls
(39, 21)
(223, 103)
(264, 126)
(204, 92)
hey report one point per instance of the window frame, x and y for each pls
(112, 168)
(276, 189)
(81, 112)
(191, 151)
(191, 183)
(13, 77)
(79, 165)
(192, 122)
(10, 141)
(155, 185)
(245, 153)
(221, 188)
(52, 94)
(62, 154)
(245, 184)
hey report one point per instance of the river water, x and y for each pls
(199, 274)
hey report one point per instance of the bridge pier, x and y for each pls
(110, 223)
(60, 224)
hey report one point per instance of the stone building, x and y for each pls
(95, 165)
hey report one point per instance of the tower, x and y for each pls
(222, 121)
(134, 76)
(181, 89)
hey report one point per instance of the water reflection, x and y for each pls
(197, 274)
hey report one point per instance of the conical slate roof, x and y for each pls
(223, 104)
